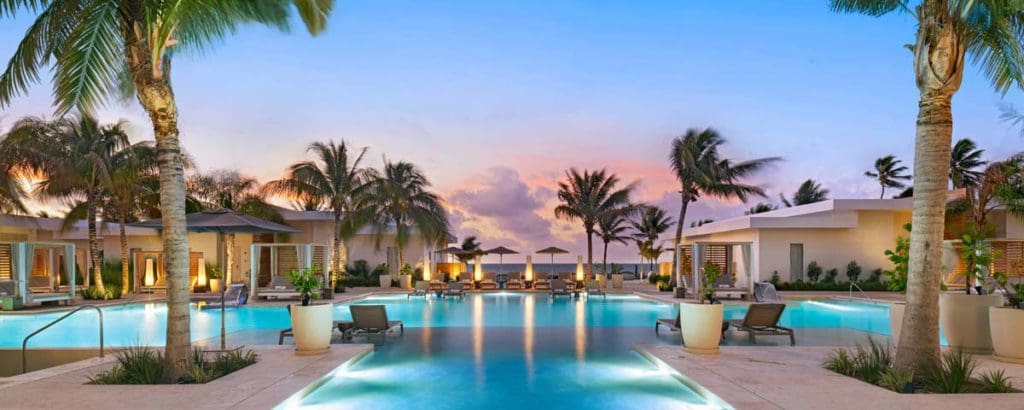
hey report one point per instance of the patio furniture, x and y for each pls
(542, 283)
(490, 281)
(279, 287)
(467, 281)
(235, 295)
(763, 319)
(672, 324)
(570, 284)
(438, 284)
(594, 289)
(422, 289)
(515, 281)
(373, 320)
(559, 287)
(455, 289)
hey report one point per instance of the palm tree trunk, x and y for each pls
(677, 254)
(229, 256)
(124, 252)
(590, 252)
(336, 257)
(882, 195)
(157, 98)
(94, 242)
(604, 261)
(938, 64)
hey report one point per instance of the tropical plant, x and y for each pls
(949, 372)
(889, 173)
(470, 250)
(999, 184)
(976, 253)
(701, 171)
(135, 365)
(229, 189)
(588, 198)
(808, 192)
(121, 48)
(813, 271)
(948, 31)
(842, 362)
(872, 361)
(334, 178)
(964, 160)
(399, 199)
(707, 285)
(900, 258)
(761, 207)
(306, 283)
(853, 271)
(612, 227)
(896, 380)
(831, 275)
(649, 223)
(995, 381)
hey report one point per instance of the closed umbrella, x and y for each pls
(551, 250)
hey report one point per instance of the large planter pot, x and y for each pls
(405, 281)
(216, 285)
(1007, 327)
(896, 321)
(964, 321)
(701, 327)
(617, 281)
(602, 281)
(385, 281)
(312, 327)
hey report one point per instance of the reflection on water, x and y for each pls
(563, 364)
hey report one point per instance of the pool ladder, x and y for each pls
(862, 292)
(24, 343)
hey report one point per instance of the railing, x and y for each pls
(24, 343)
(854, 285)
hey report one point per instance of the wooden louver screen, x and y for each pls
(318, 258)
(287, 259)
(5, 261)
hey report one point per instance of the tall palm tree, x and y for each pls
(612, 228)
(122, 48)
(335, 178)
(889, 173)
(131, 180)
(400, 198)
(701, 171)
(808, 192)
(229, 189)
(79, 160)
(588, 198)
(761, 207)
(649, 223)
(991, 32)
(964, 161)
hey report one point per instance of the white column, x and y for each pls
(748, 262)
(695, 259)
(253, 270)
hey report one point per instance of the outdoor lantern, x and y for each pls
(201, 276)
(529, 268)
(478, 271)
(149, 273)
(426, 268)
(579, 268)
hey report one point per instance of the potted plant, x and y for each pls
(213, 278)
(384, 276)
(1008, 323)
(964, 317)
(311, 323)
(702, 322)
(405, 277)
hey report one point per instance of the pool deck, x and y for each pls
(765, 377)
(278, 375)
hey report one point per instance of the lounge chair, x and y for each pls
(570, 284)
(763, 319)
(438, 284)
(514, 281)
(236, 294)
(279, 287)
(559, 287)
(422, 289)
(672, 324)
(594, 289)
(454, 289)
(490, 281)
(542, 283)
(373, 319)
(467, 281)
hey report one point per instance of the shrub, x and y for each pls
(831, 274)
(900, 258)
(776, 280)
(109, 292)
(876, 275)
(824, 286)
(711, 275)
(813, 271)
(653, 279)
(359, 268)
(143, 365)
(869, 363)
(995, 381)
(306, 283)
(853, 271)
(896, 380)
(950, 373)
(840, 362)
(229, 362)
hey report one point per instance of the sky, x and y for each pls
(495, 100)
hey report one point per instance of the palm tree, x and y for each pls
(130, 184)
(612, 228)
(700, 170)
(121, 48)
(761, 207)
(889, 173)
(588, 198)
(470, 250)
(399, 198)
(229, 189)
(700, 222)
(12, 195)
(809, 192)
(965, 159)
(991, 31)
(79, 161)
(649, 223)
(335, 178)
(993, 187)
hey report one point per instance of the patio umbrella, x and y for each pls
(501, 251)
(551, 250)
(223, 221)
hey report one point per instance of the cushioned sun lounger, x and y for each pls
(594, 289)
(490, 281)
(514, 281)
(454, 289)
(559, 287)
(422, 287)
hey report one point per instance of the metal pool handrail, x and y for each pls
(862, 292)
(24, 343)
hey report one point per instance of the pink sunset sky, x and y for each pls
(496, 100)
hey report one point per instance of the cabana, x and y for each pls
(37, 272)
(275, 260)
